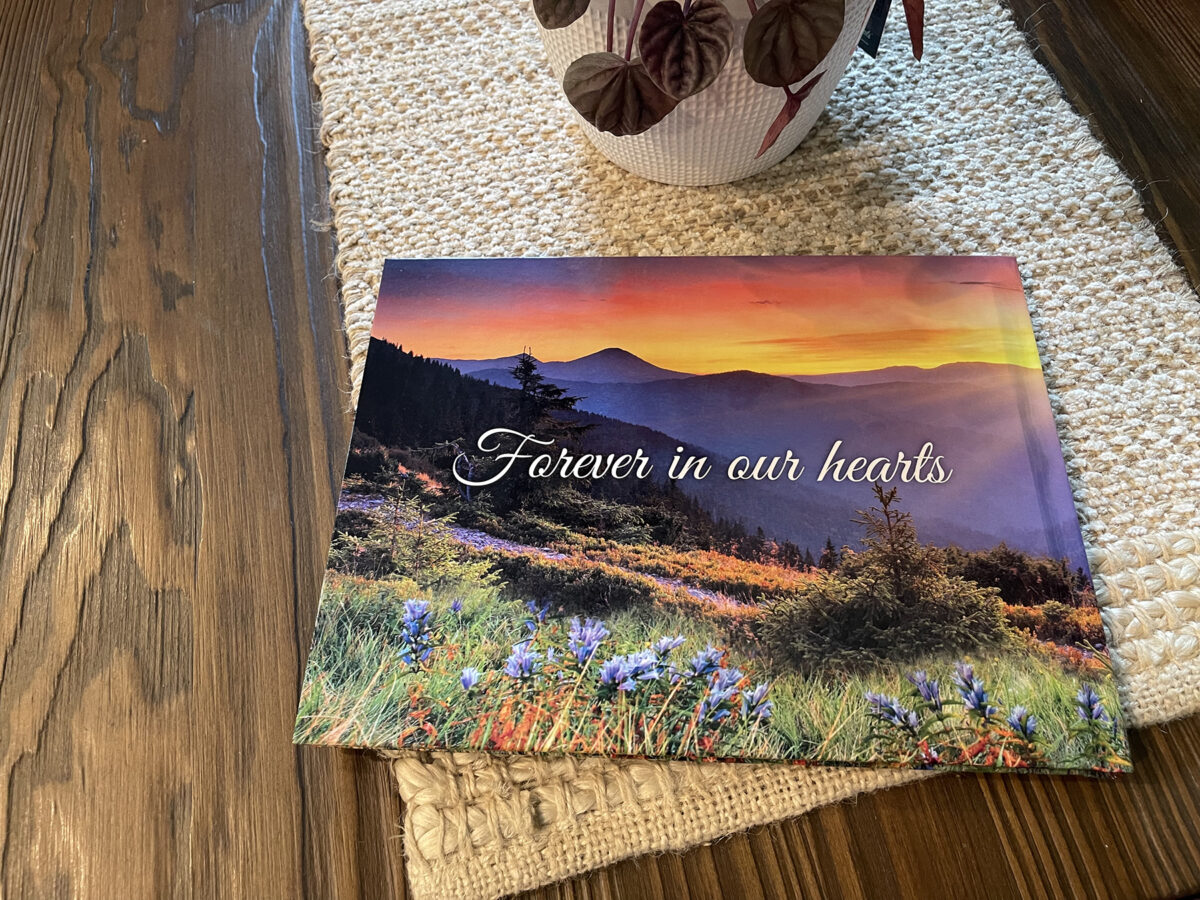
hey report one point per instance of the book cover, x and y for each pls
(780, 508)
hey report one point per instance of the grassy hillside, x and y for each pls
(631, 620)
(503, 675)
(595, 646)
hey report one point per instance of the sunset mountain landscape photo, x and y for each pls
(758, 508)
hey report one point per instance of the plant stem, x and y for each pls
(612, 18)
(633, 24)
(753, 6)
(666, 705)
(570, 705)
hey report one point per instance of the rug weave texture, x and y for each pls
(447, 136)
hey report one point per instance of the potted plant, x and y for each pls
(703, 91)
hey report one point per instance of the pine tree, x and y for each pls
(830, 558)
(891, 541)
(539, 400)
(893, 600)
(542, 409)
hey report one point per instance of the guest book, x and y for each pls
(782, 508)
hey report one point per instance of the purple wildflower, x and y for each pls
(584, 639)
(976, 700)
(712, 711)
(727, 678)
(889, 709)
(634, 667)
(665, 645)
(705, 662)
(713, 708)
(416, 633)
(973, 692)
(964, 674)
(1023, 722)
(456, 606)
(523, 662)
(717, 704)
(877, 702)
(646, 664)
(755, 702)
(415, 611)
(929, 690)
(538, 611)
(469, 678)
(1088, 705)
(614, 673)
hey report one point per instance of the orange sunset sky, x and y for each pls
(778, 315)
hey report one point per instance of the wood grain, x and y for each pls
(173, 423)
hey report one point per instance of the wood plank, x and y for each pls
(172, 425)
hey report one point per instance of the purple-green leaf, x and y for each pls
(616, 95)
(914, 15)
(791, 105)
(787, 39)
(559, 13)
(684, 52)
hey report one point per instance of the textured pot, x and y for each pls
(712, 137)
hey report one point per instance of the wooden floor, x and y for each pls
(172, 427)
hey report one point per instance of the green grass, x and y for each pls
(822, 717)
(359, 691)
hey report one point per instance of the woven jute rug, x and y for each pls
(447, 136)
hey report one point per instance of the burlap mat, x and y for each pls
(446, 136)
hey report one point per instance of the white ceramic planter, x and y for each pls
(712, 137)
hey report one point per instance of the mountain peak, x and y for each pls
(612, 353)
(611, 365)
(946, 372)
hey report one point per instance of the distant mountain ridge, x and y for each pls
(471, 366)
(946, 372)
(608, 366)
(616, 366)
(991, 422)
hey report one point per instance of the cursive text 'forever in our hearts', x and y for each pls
(925, 467)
